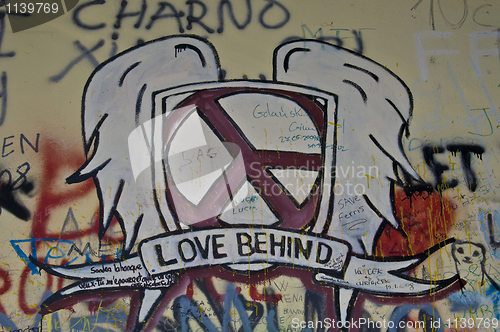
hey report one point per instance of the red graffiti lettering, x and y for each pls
(4, 275)
(30, 309)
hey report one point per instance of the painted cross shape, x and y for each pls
(260, 162)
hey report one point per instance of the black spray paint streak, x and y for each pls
(438, 169)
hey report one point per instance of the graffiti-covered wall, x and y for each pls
(249, 165)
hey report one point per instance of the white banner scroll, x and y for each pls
(231, 246)
(245, 249)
